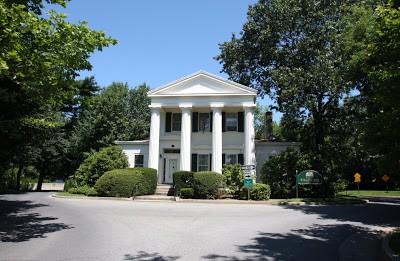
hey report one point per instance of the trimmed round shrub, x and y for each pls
(98, 163)
(183, 179)
(149, 181)
(207, 183)
(260, 192)
(187, 192)
(127, 182)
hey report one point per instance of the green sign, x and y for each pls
(309, 177)
(248, 183)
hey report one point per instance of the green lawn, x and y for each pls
(66, 194)
(372, 193)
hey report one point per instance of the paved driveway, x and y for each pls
(35, 226)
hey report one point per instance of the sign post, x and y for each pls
(248, 172)
(357, 179)
(386, 178)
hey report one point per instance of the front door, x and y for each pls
(171, 168)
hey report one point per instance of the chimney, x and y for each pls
(268, 125)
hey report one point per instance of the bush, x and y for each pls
(260, 192)
(85, 190)
(234, 176)
(183, 179)
(98, 163)
(70, 183)
(127, 182)
(280, 173)
(207, 183)
(186, 192)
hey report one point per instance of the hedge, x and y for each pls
(207, 183)
(127, 182)
(260, 192)
(186, 192)
(183, 179)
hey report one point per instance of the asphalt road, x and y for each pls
(36, 226)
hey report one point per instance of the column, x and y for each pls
(154, 144)
(249, 145)
(186, 131)
(217, 140)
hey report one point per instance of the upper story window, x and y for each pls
(173, 121)
(231, 121)
(204, 122)
(176, 121)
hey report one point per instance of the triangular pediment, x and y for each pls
(202, 84)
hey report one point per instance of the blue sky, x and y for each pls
(158, 41)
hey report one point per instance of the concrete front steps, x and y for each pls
(163, 192)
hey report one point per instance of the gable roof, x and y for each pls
(202, 83)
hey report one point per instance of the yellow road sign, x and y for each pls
(357, 177)
(385, 177)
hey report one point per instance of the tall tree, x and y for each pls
(288, 50)
(39, 56)
(372, 41)
(117, 113)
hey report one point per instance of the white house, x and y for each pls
(201, 122)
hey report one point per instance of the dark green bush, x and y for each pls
(183, 179)
(260, 192)
(85, 190)
(234, 176)
(149, 182)
(207, 183)
(127, 182)
(187, 192)
(98, 163)
(70, 183)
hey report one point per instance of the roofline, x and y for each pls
(151, 93)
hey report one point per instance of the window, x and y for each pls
(204, 122)
(231, 121)
(176, 121)
(230, 159)
(203, 162)
(139, 160)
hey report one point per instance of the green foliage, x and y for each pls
(98, 163)
(126, 183)
(234, 176)
(70, 183)
(183, 179)
(207, 183)
(186, 192)
(85, 190)
(260, 192)
(280, 172)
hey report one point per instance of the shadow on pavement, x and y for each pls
(319, 242)
(144, 256)
(19, 222)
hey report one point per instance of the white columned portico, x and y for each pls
(154, 144)
(217, 138)
(186, 130)
(249, 135)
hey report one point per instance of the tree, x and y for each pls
(39, 59)
(288, 50)
(372, 44)
(117, 113)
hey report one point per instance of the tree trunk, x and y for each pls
(19, 174)
(40, 181)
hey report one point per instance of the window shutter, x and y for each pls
(211, 121)
(223, 121)
(194, 162)
(240, 159)
(209, 167)
(168, 117)
(195, 122)
(223, 158)
(240, 121)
